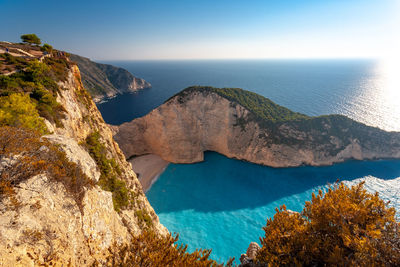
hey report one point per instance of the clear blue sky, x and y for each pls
(188, 29)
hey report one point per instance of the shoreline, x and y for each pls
(148, 169)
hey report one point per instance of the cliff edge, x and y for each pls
(243, 125)
(68, 197)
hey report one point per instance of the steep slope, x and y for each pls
(244, 125)
(103, 80)
(69, 196)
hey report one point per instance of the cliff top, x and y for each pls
(100, 80)
(261, 107)
(284, 126)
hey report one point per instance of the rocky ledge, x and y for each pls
(243, 125)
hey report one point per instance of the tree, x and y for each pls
(31, 39)
(344, 227)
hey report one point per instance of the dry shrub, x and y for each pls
(30, 155)
(150, 249)
(344, 227)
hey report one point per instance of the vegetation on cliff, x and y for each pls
(345, 227)
(38, 81)
(28, 155)
(18, 110)
(28, 94)
(261, 107)
(282, 126)
(149, 249)
(109, 172)
(104, 80)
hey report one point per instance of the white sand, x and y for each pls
(148, 168)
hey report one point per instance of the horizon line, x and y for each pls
(228, 59)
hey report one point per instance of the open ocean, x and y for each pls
(222, 203)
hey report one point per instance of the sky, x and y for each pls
(209, 29)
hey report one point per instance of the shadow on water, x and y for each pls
(223, 184)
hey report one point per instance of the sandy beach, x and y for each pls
(148, 168)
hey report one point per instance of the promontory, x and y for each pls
(244, 125)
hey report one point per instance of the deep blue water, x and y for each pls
(364, 90)
(223, 203)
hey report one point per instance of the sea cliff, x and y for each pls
(243, 125)
(68, 196)
(105, 81)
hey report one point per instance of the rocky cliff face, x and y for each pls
(43, 222)
(104, 80)
(199, 119)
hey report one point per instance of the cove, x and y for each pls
(223, 203)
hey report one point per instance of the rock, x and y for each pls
(105, 81)
(201, 120)
(248, 259)
(291, 212)
(75, 153)
(252, 250)
(44, 223)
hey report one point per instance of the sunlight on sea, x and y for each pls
(378, 104)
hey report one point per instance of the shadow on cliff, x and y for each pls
(222, 184)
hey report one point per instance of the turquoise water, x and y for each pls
(223, 203)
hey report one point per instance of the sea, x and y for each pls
(221, 203)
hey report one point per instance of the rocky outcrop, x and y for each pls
(46, 224)
(104, 80)
(201, 119)
(248, 259)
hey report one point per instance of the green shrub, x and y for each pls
(46, 48)
(48, 107)
(261, 107)
(59, 67)
(143, 216)
(38, 80)
(19, 111)
(109, 170)
(17, 62)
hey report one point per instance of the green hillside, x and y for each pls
(262, 107)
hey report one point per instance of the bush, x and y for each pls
(143, 216)
(38, 80)
(109, 170)
(59, 67)
(150, 249)
(18, 62)
(36, 156)
(30, 39)
(19, 111)
(344, 227)
(47, 48)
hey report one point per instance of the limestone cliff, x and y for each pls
(104, 80)
(246, 126)
(45, 220)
